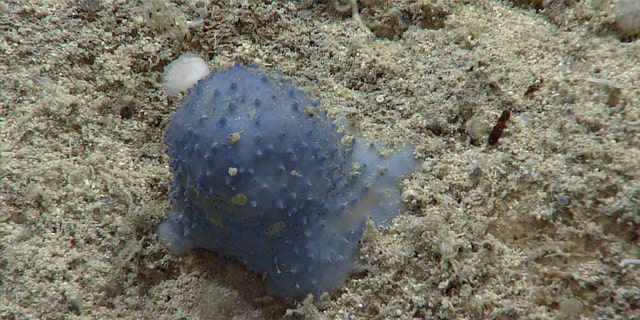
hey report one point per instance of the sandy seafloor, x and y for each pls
(532, 228)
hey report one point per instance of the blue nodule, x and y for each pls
(274, 188)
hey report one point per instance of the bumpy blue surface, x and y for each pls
(262, 177)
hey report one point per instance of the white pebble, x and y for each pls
(183, 73)
(628, 17)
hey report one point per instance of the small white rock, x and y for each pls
(628, 17)
(183, 73)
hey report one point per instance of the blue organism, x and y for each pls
(262, 176)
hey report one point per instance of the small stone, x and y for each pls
(477, 128)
